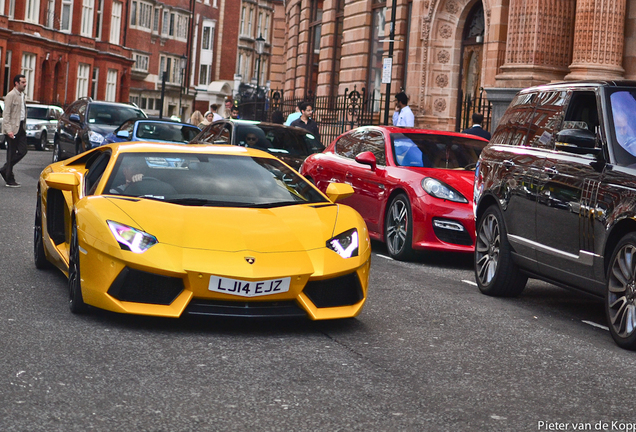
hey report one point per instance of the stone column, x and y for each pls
(598, 40)
(539, 44)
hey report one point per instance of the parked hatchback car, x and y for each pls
(153, 130)
(86, 122)
(290, 144)
(555, 197)
(413, 187)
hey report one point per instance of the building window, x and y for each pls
(243, 21)
(182, 27)
(11, 9)
(266, 29)
(259, 29)
(115, 23)
(203, 75)
(141, 63)
(315, 30)
(32, 12)
(50, 12)
(134, 100)
(205, 38)
(141, 15)
(215, 3)
(239, 66)
(376, 52)
(166, 22)
(83, 71)
(100, 19)
(28, 70)
(7, 73)
(111, 85)
(67, 12)
(88, 7)
(155, 22)
(171, 27)
(249, 22)
(94, 83)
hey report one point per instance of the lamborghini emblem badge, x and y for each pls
(250, 260)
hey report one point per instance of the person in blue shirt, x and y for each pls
(293, 116)
(403, 115)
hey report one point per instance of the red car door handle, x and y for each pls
(318, 167)
(349, 175)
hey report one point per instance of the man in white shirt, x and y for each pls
(14, 128)
(403, 115)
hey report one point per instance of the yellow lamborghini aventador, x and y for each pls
(158, 229)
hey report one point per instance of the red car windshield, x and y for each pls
(435, 151)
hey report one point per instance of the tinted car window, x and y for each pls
(209, 133)
(348, 146)
(211, 180)
(513, 126)
(435, 151)
(548, 115)
(373, 141)
(277, 140)
(166, 132)
(623, 107)
(37, 113)
(112, 114)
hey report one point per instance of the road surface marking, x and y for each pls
(593, 324)
(469, 282)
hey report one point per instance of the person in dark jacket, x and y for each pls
(476, 128)
(306, 122)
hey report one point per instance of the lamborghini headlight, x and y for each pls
(130, 238)
(345, 244)
(442, 191)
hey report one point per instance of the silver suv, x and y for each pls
(40, 126)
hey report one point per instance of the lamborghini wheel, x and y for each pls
(38, 244)
(76, 302)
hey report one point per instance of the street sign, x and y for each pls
(387, 66)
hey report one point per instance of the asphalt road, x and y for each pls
(428, 353)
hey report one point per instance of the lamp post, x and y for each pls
(182, 64)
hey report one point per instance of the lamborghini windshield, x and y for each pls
(209, 180)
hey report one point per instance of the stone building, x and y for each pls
(446, 50)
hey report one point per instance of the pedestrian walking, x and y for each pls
(215, 116)
(476, 129)
(14, 129)
(305, 121)
(403, 115)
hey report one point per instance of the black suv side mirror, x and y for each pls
(580, 141)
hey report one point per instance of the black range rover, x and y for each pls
(555, 197)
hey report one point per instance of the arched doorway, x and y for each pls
(469, 94)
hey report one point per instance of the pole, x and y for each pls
(164, 77)
(387, 101)
(180, 94)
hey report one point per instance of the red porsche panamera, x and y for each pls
(413, 187)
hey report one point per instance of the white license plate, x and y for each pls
(248, 288)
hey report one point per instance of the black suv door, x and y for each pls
(69, 127)
(568, 190)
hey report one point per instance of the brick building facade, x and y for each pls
(445, 50)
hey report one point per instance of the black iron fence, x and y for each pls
(472, 104)
(334, 114)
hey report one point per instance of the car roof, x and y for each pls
(42, 105)
(153, 120)
(582, 83)
(241, 122)
(400, 129)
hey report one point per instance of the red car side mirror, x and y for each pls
(367, 158)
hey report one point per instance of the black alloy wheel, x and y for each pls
(39, 256)
(41, 144)
(495, 272)
(620, 295)
(398, 228)
(76, 302)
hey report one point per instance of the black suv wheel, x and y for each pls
(620, 297)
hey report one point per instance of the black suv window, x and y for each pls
(623, 107)
(547, 117)
(102, 114)
(513, 126)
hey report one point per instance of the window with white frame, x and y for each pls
(111, 85)
(171, 25)
(172, 65)
(88, 8)
(166, 22)
(249, 22)
(81, 89)
(206, 38)
(141, 15)
(28, 70)
(134, 100)
(100, 19)
(203, 75)
(67, 14)
(266, 29)
(182, 27)
(239, 65)
(50, 12)
(7, 72)
(94, 83)
(32, 12)
(141, 62)
(115, 23)
(259, 29)
(215, 3)
(155, 21)
(242, 21)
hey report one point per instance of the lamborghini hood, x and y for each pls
(280, 229)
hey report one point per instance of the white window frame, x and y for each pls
(259, 29)
(141, 15)
(100, 20)
(141, 62)
(95, 83)
(32, 11)
(242, 31)
(204, 79)
(165, 24)
(156, 17)
(111, 85)
(29, 60)
(115, 23)
(249, 23)
(68, 5)
(266, 29)
(181, 27)
(88, 12)
(83, 75)
(50, 13)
